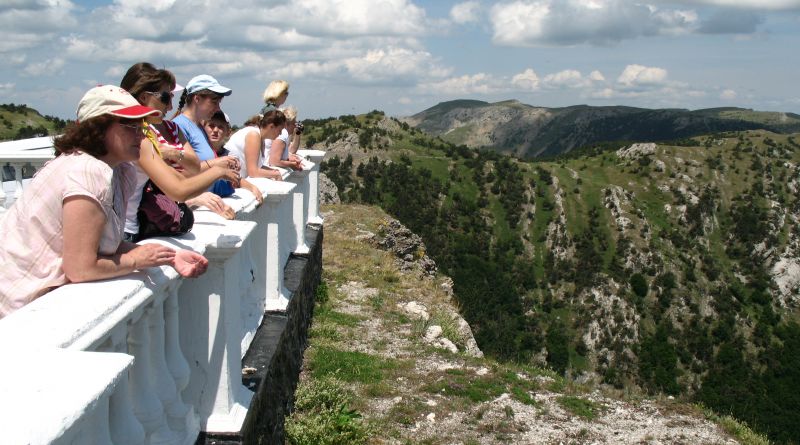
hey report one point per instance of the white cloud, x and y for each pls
(467, 12)
(480, 83)
(404, 100)
(772, 5)
(526, 80)
(638, 75)
(6, 88)
(728, 95)
(382, 65)
(597, 76)
(570, 22)
(44, 68)
(566, 79)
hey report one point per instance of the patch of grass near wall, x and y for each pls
(323, 416)
(351, 366)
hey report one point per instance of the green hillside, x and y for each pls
(22, 122)
(663, 269)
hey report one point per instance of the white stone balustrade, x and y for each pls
(153, 358)
(29, 154)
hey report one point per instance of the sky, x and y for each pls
(404, 56)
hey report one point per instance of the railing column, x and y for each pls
(210, 308)
(299, 211)
(316, 157)
(278, 203)
(146, 403)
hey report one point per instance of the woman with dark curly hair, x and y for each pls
(68, 224)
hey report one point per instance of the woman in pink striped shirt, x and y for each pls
(68, 224)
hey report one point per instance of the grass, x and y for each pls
(736, 428)
(580, 407)
(350, 366)
(323, 416)
(477, 389)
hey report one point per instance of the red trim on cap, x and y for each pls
(135, 111)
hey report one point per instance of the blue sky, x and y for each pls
(403, 56)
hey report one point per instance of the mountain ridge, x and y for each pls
(529, 131)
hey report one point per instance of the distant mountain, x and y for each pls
(529, 131)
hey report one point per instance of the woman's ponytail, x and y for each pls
(181, 104)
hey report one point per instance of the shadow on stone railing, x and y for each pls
(152, 358)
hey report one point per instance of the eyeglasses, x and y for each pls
(133, 128)
(164, 96)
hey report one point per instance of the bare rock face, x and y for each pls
(406, 246)
(636, 151)
(328, 192)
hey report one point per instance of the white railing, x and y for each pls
(16, 158)
(152, 358)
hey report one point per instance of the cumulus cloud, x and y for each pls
(383, 65)
(638, 75)
(728, 95)
(467, 12)
(480, 83)
(606, 22)
(771, 5)
(526, 80)
(45, 67)
(731, 22)
(566, 79)
(571, 22)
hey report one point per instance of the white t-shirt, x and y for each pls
(235, 147)
(284, 136)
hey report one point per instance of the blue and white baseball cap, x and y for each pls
(206, 82)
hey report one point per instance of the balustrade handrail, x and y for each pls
(174, 345)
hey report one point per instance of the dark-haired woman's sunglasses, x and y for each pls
(164, 96)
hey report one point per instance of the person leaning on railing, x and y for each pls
(218, 129)
(182, 180)
(199, 101)
(68, 224)
(248, 143)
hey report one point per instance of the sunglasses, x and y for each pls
(164, 96)
(133, 128)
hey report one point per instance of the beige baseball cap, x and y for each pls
(113, 100)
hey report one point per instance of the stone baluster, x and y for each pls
(146, 403)
(178, 416)
(299, 211)
(177, 364)
(213, 343)
(3, 205)
(125, 428)
(278, 212)
(316, 157)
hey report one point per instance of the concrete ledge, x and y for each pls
(276, 353)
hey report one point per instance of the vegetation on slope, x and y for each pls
(22, 122)
(370, 374)
(657, 271)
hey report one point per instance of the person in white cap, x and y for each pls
(68, 224)
(200, 100)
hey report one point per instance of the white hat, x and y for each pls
(206, 82)
(113, 100)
